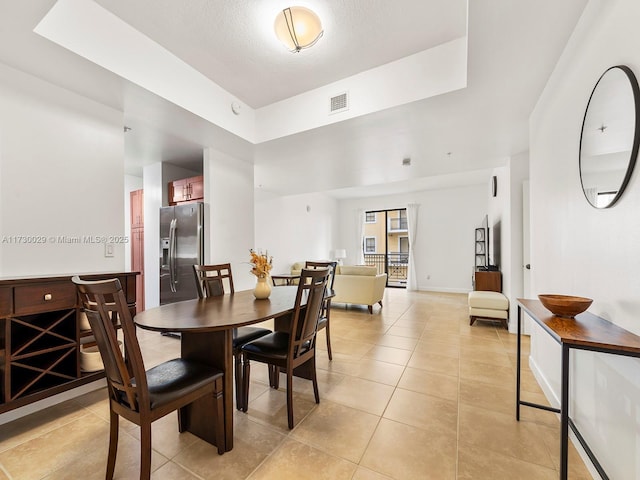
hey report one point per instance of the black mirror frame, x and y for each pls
(636, 136)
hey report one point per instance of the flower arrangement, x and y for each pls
(262, 264)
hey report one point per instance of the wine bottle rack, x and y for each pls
(40, 337)
(44, 351)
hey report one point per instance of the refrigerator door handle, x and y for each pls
(200, 236)
(172, 255)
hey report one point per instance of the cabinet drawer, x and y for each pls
(44, 297)
(6, 302)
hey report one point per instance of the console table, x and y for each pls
(40, 336)
(584, 332)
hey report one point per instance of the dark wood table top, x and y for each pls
(218, 313)
(586, 330)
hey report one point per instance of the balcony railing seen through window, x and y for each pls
(395, 264)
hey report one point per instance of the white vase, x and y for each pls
(263, 288)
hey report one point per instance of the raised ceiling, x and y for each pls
(512, 49)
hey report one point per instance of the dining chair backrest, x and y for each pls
(332, 265)
(311, 288)
(103, 303)
(211, 279)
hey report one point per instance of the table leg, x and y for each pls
(215, 349)
(564, 414)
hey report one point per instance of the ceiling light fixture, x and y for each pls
(298, 28)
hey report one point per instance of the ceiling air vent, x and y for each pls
(339, 103)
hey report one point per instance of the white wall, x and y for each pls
(579, 250)
(296, 228)
(62, 175)
(445, 237)
(229, 214)
(505, 212)
(153, 191)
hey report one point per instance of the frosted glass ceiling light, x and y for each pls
(298, 28)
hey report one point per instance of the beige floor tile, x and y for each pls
(434, 363)
(396, 356)
(485, 464)
(270, 408)
(165, 437)
(3, 474)
(431, 336)
(501, 433)
(439, 348)
(487, 373)
(371, 397)
(381, 372)
(409, 332)
(576, 467)
(35, 425)
(393, 452)
(75, 450)
(498, 358)
(339, 430)
(203, 460)
(349, 347)
(366, 474)
(435, 415)
(487, 396)
(172, 471)
(298, 461)
(435, 384)
(395, 341)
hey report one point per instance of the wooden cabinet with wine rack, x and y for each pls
(40, 337)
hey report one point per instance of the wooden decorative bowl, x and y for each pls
(565, 305)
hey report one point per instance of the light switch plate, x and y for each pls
(108, 249)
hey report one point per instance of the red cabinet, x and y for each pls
(186, 190)
(137, 243)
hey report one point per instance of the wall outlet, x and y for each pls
(108, 249)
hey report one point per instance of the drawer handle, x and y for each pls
(47, 297)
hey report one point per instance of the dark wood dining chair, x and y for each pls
(211, 280)
(325, 314)
(295, 348)
(143, 396)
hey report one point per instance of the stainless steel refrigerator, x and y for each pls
(181, 246)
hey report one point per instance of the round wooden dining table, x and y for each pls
(206, 334)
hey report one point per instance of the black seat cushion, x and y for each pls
(275, 344)
(243, 335)
(322, 322)
(176, 378)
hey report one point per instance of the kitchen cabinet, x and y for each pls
(137, 243)
(40, 336)
(186, 190)
(136, 198)
(137, 264)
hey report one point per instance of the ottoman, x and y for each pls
(489, 306)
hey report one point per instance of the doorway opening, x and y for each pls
(386, 244)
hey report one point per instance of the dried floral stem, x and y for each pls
(261, 264)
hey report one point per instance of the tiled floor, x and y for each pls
(413, 392)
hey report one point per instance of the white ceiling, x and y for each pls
(512, 49)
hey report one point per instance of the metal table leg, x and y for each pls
(564, 414)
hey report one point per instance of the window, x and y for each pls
(370, 245)
(370, 217)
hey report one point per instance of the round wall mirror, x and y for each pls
(609, 139)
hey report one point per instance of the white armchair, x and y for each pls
(360, 285)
